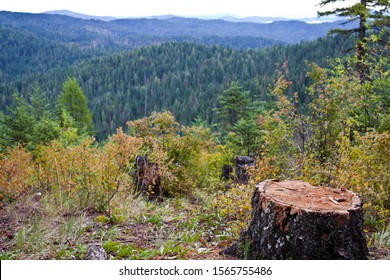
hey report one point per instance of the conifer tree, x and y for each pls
(233, 105)
(371, 15)
(28, 122)
(73, 100)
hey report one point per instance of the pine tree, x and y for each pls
(371, 15)
(233, 105)
(17, 125)
(247, 135)
(28, 122)
(73, 100)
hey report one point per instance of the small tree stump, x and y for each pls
(295, 220)
(147, 179)
(241, 163)
(227, 172)
(139, 163)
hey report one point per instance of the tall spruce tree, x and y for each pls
(238, 120)
(233, 105)
(73, 100)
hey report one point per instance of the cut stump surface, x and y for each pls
(302, 195)
(295, 220)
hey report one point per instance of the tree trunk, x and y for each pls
(295, 220)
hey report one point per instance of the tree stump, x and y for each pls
(227, 172)
(139, 163)
(147, 180)
(295, 220)
(241, 163)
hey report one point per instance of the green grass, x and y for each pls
(136, 229)
(381, 239)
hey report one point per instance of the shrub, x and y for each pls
(16, 173)
(364, 168)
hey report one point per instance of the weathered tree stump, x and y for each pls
(139, 163)
(147, 179)
(241, 163)
(295, 220)
(227, 172)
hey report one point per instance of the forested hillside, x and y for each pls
(137, 32)
(23, 53)
(184, 78)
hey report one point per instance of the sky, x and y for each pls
(140, 8)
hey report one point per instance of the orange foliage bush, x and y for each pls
(16, 173)
(90, 175)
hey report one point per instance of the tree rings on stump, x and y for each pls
(295, 220)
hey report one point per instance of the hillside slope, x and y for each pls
(123, 31)
(184, 78)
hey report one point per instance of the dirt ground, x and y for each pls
(141, 235)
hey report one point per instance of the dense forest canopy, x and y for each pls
(184, 78)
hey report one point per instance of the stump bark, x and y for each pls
(227, 172)
(241, 163)
(295, 220)
(147, 179)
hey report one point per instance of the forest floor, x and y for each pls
(174, 229)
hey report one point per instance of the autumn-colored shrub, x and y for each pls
(332, 139)
(364, 168)
(16, 173)
(234, 207)
(177, 149)
(87, 174)
(71, 172)
(117, 161)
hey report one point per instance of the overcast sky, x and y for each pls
(139, 8)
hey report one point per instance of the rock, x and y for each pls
(95, 252)
(37, 196)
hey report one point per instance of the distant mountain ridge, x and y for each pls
(230, 18)
(87, 32)
(78, 15)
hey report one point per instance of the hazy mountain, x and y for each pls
(128, 32)
(254, 19)
(311, 20)
(162, 17)
(78, 15)
(225, 17)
